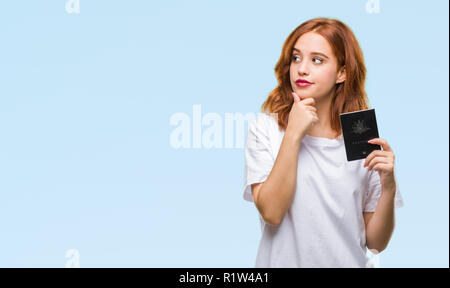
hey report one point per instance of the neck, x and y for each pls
(323, 127)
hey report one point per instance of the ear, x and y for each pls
(341, 75)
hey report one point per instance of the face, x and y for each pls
(313, 60)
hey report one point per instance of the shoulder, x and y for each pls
(265, 121)
(264, 129)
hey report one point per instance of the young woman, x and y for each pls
(317, 209)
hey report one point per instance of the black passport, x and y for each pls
(357, 128)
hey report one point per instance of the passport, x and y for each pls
(357, 128)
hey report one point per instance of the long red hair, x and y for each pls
(348, 96)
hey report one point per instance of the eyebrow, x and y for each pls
(315, 53)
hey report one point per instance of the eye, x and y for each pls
(294, 57)
(317, 58)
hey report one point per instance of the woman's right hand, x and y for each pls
(302, 117)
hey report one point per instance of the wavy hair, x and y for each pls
(348, 96)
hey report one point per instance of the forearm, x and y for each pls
(277, 192)
(381, 226)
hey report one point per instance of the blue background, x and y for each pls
(85, 102)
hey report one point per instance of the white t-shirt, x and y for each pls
(324, 227)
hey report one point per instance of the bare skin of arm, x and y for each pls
(274, 196)
(380, 224)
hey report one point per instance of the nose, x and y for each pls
(303, 68)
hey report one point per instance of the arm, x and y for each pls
(274, 196)
(380, 224)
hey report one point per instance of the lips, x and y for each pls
(302, 83)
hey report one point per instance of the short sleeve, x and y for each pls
(258, 155)
(374, 193)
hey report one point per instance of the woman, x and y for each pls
(317, 209)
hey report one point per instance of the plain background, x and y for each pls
(85, 102)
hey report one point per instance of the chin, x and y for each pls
(303, 93)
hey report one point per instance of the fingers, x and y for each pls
(306, 101)
(316, 119)
(309, 105)
(384, 167)
(311, 108)
(378, 161)
(386, 156)
(383, 143)
(376, 153)
(309, 102)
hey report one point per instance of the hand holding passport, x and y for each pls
(357, 128)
